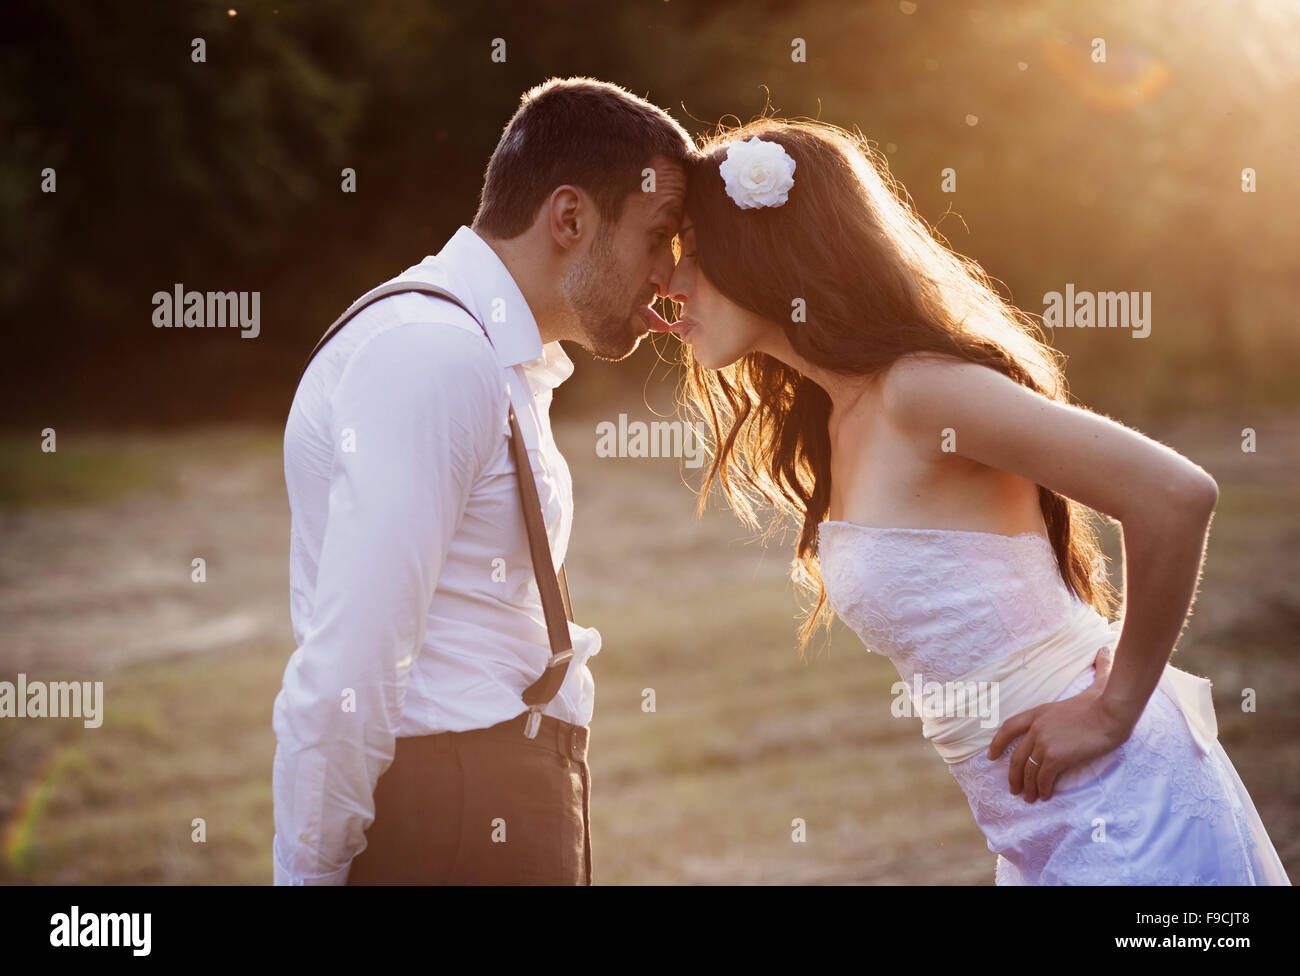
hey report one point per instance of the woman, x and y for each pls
(863, 378)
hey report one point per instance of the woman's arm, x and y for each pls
(1162, 501)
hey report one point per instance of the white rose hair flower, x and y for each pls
(758, 173)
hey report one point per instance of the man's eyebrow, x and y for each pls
(672, 209)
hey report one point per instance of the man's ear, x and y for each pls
(567, 214)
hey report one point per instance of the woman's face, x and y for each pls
(718, 330)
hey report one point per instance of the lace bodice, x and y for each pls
(939, 602)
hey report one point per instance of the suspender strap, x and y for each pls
(564, 593)
(552, 586)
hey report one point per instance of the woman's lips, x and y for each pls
(683, 328)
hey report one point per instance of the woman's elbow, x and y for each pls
(1180, 496)
(1198, 494)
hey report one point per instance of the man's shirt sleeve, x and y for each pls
(413, 419)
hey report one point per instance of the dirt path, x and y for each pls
(746, 737)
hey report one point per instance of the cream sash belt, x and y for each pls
(1041, 672)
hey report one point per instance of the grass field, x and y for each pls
(95, 585)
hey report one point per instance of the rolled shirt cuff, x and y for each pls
(284, 877)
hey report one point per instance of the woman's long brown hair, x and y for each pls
(876, 285)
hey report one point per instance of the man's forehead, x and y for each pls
(668, 205)
(668, 170)
(669, 193)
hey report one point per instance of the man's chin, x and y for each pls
(612, 346)
(612, 354)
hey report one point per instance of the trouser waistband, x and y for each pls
(553, 735)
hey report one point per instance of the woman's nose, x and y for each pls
(678, 290)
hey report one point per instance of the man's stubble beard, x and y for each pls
(594, 294)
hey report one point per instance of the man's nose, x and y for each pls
(661, 278)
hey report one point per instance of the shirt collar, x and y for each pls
(469, 268)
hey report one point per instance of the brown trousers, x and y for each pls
(487, 806)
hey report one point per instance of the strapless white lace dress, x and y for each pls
(943, 603)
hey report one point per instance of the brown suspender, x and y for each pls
(553, 586)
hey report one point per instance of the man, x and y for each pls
(400, 723)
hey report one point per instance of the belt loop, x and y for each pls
(533, 722)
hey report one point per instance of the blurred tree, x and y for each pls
(226, 174)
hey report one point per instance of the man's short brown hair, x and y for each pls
(579, 131)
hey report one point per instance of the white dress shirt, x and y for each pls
(412, 594)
